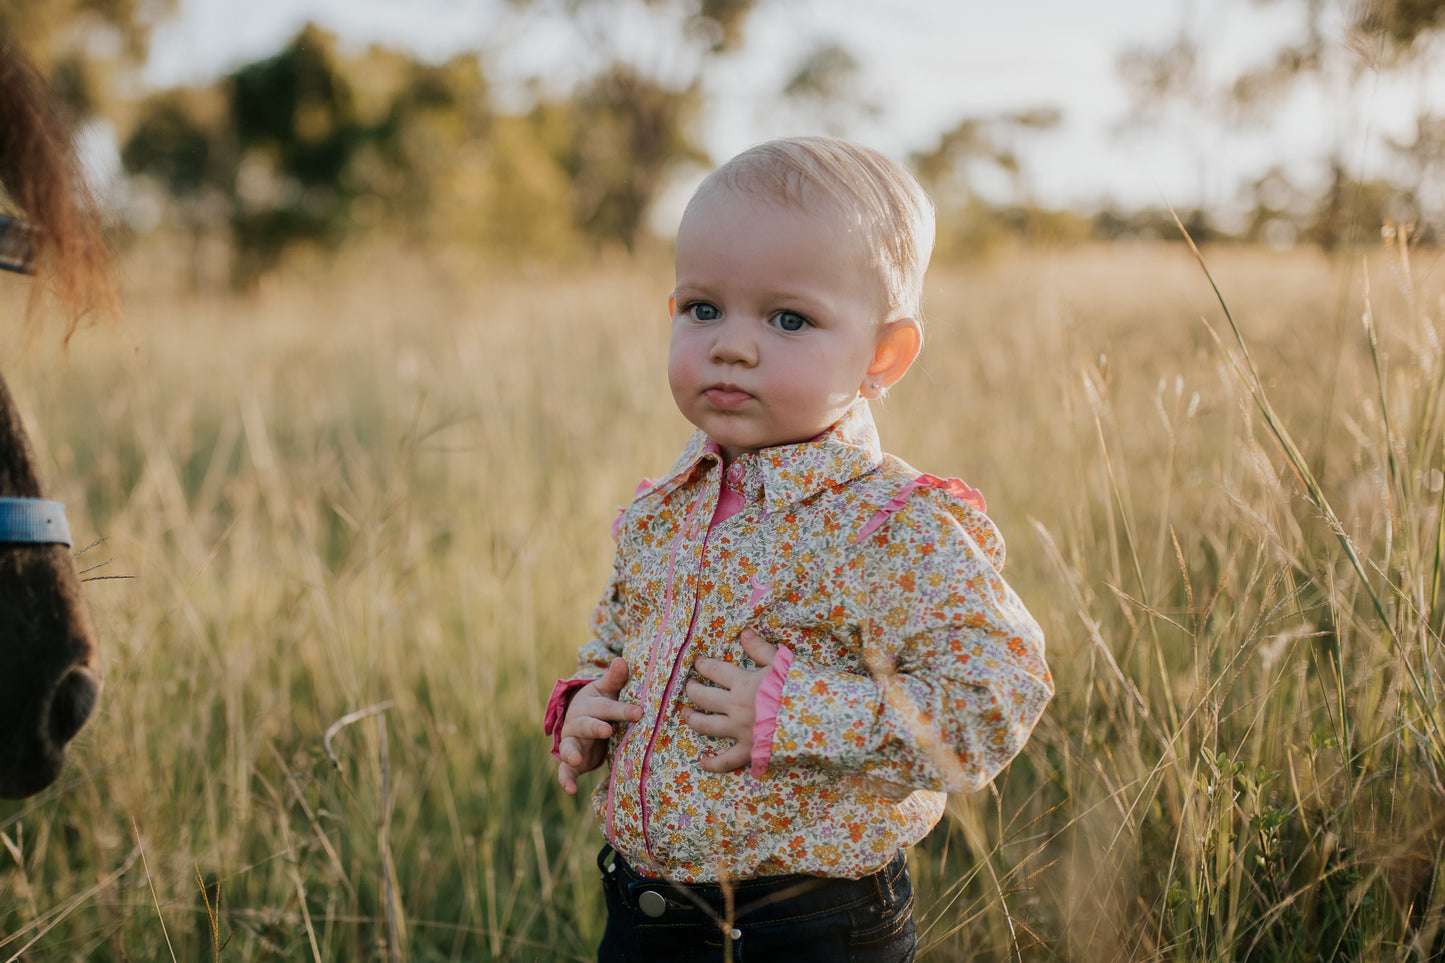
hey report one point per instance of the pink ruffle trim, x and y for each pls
(765, 710)
(642, 486)
(557, 705)
(954, 486)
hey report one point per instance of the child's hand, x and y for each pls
(588, 724)
(728, 711)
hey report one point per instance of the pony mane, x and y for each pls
(42, 181)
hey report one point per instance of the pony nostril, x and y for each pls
(71, 705)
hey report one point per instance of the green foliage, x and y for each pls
(297, 135)
(171, 146)
(296, 107)
(306, 147)
(313, 148)
(626, 132)
(60, 36)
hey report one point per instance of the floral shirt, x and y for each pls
(911, 668)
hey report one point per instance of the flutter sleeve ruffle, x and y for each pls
(765, 709)
(557, 705)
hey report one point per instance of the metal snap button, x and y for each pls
(651, 903)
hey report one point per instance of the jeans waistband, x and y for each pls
(755, 899)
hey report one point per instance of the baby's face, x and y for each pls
(775, 319)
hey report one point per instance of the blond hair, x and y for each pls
(867, 190)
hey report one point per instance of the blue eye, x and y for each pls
(702, 311)
(789, 321)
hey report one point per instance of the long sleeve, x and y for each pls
(593, 658)
(606, 639)
(956, 676)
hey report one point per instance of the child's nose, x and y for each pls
(733, 344)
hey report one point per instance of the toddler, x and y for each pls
(805, 643)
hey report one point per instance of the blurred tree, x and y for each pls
(955, 170)
(1343, 216)
(432, 116)
(311, 145)
(1332, 40)
(294, 120)
(82, 44)
(627, 132)
(1351, 212)
(1276, 209)
(182, 144)
(826, 89)
(950, 169)
(1424, 154)
(307, 147)
(1381, 34)
(518, 203)
(631, 118)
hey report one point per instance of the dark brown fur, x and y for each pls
(48, 678)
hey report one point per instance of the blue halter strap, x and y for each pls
(33, 521)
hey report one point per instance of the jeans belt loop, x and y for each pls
(883, 884)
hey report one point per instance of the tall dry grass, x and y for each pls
(354, 526)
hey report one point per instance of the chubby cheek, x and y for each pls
(815, 394)
(682, 371)
(801, 382)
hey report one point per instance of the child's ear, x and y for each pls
(672, 307)
(898, 345)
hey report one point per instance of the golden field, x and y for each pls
(383, 485)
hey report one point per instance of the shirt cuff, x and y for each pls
(557, 705)
(765, 710)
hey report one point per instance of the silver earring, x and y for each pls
(877, 387)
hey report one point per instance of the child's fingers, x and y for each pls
(736, 757)
(759, 649)
(717, 726)
(593, 718)
(611, 709)
(612, 681)
(585, 727)
(567, 776)
(723, 673)
(711, 699)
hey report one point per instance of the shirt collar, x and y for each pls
(787, 474)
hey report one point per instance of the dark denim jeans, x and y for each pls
(798, 919)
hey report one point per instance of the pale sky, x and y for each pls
(927, 63)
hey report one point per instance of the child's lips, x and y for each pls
(726, 397)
